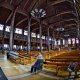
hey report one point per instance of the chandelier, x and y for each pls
(38, 13)
(60, 29)
(66, 35)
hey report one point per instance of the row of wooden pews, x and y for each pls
(61, 62)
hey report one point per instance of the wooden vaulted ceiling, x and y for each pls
(60, 13)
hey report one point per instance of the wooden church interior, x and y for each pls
(55, 33)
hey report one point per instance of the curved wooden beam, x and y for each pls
(57, 2)
(62, 13)
(65, 20)
(32, 24)
(9, 17)
(35, 29)
(64, 27)
(25, 4)
(21, 21)
(70, 25)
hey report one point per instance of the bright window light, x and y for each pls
(38, 36)
(38, 47)
(33, 34)
(7, 29)
(59, 42)
(63, 42)
(1, 27)
(73, 41)
(50, 39)
(69, 41)
(25, 32)
(77, 41)
(21, 47)
(18, 31)
(6, 45)
(55, 42)
(14, 46)
(43, 37)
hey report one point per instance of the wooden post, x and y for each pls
(48, 41)
(3, 38)
(40, 32)
(61, 40)
(22, 38)
(36, 41)
(66, 42)
(12, 31)
(29, 40)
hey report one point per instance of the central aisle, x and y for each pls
(15, 71)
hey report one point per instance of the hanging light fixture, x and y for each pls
(66, 35)
(38, 13)
(61, 29)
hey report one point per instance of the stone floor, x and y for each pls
(15, 71)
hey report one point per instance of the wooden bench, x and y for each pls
(61, 63)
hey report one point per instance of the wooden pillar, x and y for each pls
(61, 41)
(3, 38)
(40, 32)
(53, 40)
(75, 43)
(36, 41)
(48, 41)
(66, 42)
(29, 36)
(12, 31)
(71, 42)
(57, 43)
(22, 38)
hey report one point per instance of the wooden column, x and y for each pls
(61, 41)
(48, 41)
(3, 38)
(66, 41)
(12, 31)
(40, 32)
(36, 41)
(71, 42)
(29, 36)
(22, 38)
(53, 41)
(75, 43)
